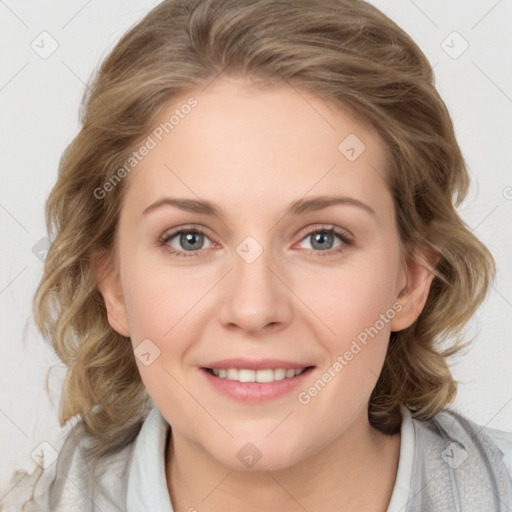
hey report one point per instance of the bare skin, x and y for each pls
(251, 152)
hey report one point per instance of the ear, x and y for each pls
(417, 275)
(109, 285)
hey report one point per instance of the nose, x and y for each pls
(255, 296)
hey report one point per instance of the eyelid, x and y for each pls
(187, 227)
(325, 227)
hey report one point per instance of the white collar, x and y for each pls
(400, 495)
(147, 484)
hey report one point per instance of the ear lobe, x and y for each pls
(413, 296)
(109, 285)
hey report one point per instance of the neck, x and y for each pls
(355, 472)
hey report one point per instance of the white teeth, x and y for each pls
(265, 376)
(232, 374)
(280, 374)
(245, 375)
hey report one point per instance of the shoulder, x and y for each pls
(499, 442)
(503, 440)
(462, 460)
(75, 481)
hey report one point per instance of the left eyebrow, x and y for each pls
(299, 207)
(303, 206)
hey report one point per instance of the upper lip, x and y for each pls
(256, 364)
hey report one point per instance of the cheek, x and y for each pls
(164, 304)
(356, 304)
(159, 297)
(355, 295)
(160, 308)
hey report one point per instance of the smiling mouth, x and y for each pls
(261, 376)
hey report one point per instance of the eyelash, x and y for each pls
(342, 235)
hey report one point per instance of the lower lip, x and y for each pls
(255, 391)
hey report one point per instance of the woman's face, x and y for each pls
(259, 285)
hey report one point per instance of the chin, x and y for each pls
(256, 456)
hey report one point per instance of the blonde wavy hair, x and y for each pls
(343, 51)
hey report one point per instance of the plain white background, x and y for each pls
(40, 96)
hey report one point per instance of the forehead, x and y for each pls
(243, 145)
